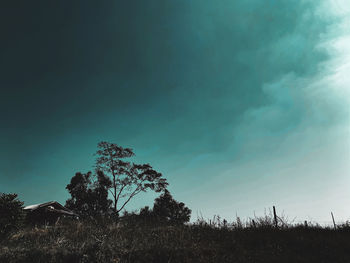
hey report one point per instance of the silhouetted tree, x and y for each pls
(146, 212)
(165, 210)
(168, 210)
(128, 179)
(11, 211)
(101, 202)
(89, 197)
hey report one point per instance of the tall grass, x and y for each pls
(215, 240)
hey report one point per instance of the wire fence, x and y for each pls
(272, 218)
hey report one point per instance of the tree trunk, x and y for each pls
(115, 194)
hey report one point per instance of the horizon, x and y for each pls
(241, 105)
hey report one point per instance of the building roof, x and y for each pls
(52, 206)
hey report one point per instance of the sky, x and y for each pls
(241, 104)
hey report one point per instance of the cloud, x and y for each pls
(298, 102)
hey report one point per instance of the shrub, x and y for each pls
(168, 210)
(89, 195)
(11, 211)
(165, 211)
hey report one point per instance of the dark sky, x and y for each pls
(235, 102)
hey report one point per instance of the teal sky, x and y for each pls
(241, 104)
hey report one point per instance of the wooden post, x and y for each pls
(335, 226)
(253, 222)
(275, 216)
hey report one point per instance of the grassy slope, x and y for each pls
(86, 242)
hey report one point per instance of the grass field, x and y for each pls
(133, 241)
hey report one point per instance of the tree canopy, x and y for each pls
(127, 179)
(167, 209)
(89, 194)
(11, 211)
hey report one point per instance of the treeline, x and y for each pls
(123, 180)
(157, 233)
(105, 192)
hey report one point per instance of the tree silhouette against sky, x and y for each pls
(128, 179)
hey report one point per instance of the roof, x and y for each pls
(52, 206)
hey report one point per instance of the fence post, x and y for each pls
(335, 226)
(275, 216)
(253, 222)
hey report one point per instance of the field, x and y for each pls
(133, 241)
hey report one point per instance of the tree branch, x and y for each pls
(136, 191)
(121, 190)
(131, 196)
(111, 192)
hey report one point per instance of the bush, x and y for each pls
(12, 214)
(170, 211)
(89, 195)
(166, 211)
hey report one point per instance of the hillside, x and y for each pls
(132, 241)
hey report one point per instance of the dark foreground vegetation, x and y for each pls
(136, 240)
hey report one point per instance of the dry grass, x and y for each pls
(204, 241)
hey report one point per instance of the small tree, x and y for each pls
(101, 203)
(168, 210)
(11, 211)
(89, 197)
(165, 210)
(128, 179)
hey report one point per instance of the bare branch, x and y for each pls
(127, 201)
(121, 190)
